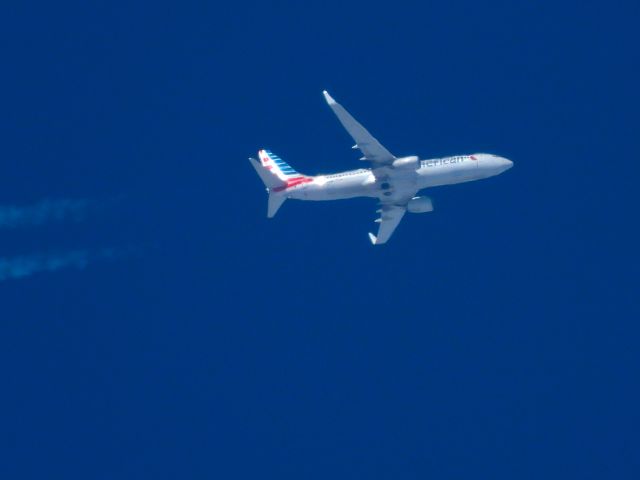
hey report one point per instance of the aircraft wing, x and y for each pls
(391, 211)
(369, 146)
(390, 216)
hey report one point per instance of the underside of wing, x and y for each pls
(390, 216)
(368, 145)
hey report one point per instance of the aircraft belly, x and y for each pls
(333, 191)
(347, 188)
(447, 175)
(337, 192)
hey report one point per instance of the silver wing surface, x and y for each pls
(390, 216)
(368, 145)
(391, 212)
(393, 205)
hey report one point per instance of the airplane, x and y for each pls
(393, 181)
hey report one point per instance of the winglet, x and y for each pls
(373, 238)
(328, 98)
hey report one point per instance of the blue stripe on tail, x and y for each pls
(284, 166)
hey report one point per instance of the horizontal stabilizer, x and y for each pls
(273, 184)
(275, 202)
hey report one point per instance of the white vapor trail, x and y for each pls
(27, 265)
(46, 211)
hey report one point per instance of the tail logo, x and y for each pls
(282, 170)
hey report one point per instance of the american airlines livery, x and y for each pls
(393, 181)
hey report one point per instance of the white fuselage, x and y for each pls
(424, 174)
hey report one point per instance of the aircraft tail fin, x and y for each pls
(277, 176)
(274, 187)
(269, 179)
(274, 171)
(278, 167)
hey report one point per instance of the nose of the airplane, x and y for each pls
(490, 164)
(505, 163)
(500, 164)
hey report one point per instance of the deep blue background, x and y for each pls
(494, 338)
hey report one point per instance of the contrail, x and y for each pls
(27, 265)
(46, 211)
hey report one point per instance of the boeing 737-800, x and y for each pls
(393, 181)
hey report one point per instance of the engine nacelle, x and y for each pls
(420, 205)
(406, 163)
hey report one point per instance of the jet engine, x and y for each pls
(420, 205)
(407, 163)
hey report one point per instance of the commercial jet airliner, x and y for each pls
(393, 181)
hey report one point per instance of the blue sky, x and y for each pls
(493, 338)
